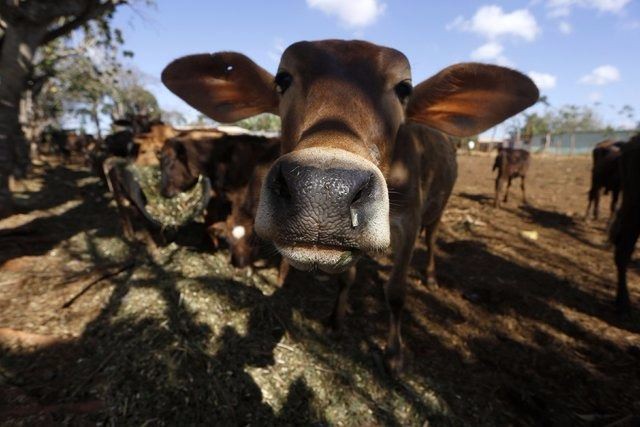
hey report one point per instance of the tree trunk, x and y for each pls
(96, 121)
(16, 57)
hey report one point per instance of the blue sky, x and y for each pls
(580, 51)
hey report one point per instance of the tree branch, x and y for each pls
(90, 13)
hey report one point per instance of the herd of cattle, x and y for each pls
(349, 175)
(616, 168)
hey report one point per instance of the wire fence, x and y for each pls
(561, 144)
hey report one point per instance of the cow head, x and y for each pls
(177, 171)
(325, 199)
(237, 231)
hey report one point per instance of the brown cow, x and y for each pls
(125, 191)
(150, 143)
(67, 143)
(511, 163)
(605, 174)
(355, 134)
(626, 226)
(236, 166)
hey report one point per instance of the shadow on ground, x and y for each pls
(498, 343)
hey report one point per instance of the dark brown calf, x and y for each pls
(626, 226)
(511, 163)
(605, 174)
(355, 135)
(68, 143)
(109, 164)
(236, 166)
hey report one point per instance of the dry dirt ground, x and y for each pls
(94, 330)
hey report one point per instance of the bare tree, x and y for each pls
(26, 26)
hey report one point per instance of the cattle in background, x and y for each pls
(149, 144)
(142, 149)
(605, 174)
(121, 142)
(236, 166)
(126, 193)
(625, 229)
(326, 200)
(511, 163)
(67, 143)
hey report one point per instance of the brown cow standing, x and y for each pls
(511, 163)
(626, 226)
(126, 193)
(68, 143)
(236, 166)
(605, 173)
(355, 133)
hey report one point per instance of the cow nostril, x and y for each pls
(358, 201)
(358, 196)
(279, 185)
(362, 193)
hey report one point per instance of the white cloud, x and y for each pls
(602, 75)
(491, 22)
(351, 13)
(595, 97)
(544, 81)
(565, 27)
(491, 52)
(560, 8)
(275, 53)
(632, 24)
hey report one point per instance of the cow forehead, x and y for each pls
(344, 56)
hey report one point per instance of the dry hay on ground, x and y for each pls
(520, 331)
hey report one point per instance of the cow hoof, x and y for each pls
(334, 327)
(394, 361)
(623, 305)
(430, 282)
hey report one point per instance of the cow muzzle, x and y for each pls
(323, 207)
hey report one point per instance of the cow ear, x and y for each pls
(466, 99)
(226, 86)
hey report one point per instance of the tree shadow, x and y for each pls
(558, 221)
(59, 185)
(483, 199)
(552, 372)
(510, 285)
(147, 370)
(174, 367)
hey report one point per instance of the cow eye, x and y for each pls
(283, 80)
(403, 90)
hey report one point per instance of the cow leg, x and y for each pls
(125, 219)
(524, 193)
(596, 204)
(625, 243)
(586, 215)
(341, 306)
(124, 214)
(499, 185)
(506, 194)
(614, 203)
(403, 241)
(431, 232)
(283, 272)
